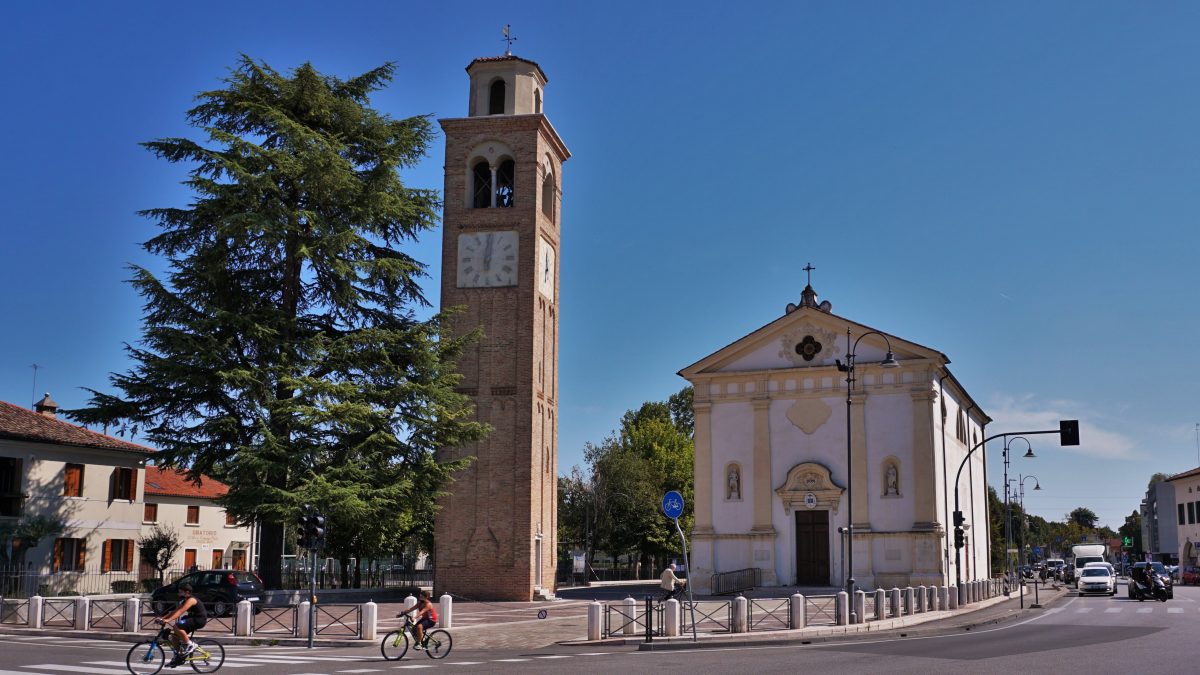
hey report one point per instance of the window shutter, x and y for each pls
(16, 477)
(112, 485)
(133, 474)
(80, 553)
(58, 551)
(106, 560)
(128, 555)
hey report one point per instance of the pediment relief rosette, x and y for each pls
(810, 334)
(805, 479)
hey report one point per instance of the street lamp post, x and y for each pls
(889, 361)
(1007, 507)
(1024, 524)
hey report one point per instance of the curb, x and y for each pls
(257, 641)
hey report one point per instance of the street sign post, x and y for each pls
(672, 506)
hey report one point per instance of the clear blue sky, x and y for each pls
(1014, 184)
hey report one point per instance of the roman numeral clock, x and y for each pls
(495, 531)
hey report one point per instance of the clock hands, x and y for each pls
(487, 254)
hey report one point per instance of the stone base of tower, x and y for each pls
(483, 582)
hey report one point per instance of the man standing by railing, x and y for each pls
(671, 583)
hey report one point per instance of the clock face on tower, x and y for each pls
(545, 269)
(487, 259)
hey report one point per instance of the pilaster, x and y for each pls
(702, 467)
(923, 466)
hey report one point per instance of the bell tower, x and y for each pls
(496, 530)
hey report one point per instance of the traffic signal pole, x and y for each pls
(1068, 431)
(312, 596)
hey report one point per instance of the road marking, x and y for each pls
(360, 670)
(1083, 610)
(1112, 610)
(556, 656)
(1145, 610)
(36, 637)
(596, 653)
(411, 667)
(509, 660)
(79, 669)
(1174, 610)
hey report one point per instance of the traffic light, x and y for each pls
(302, 529)
(960, 539)
(1068, 432)
(958, 519)
(314, 531)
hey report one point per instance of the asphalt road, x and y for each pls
(1088, 634)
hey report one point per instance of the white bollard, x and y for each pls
(671, 616)
(799, 607)
(741, 617)
(943, 598)
(446, 611)
(931, 601)
(909, 606)
(370, 620)
(409, 602)
(880, 604)
(595, 614)
(302, 616)
(860, 607)
(133, 615)
(82, 606)
(36, 609)
(629, 614)
(841, 609)
(919, 599)
(241, 621)
(955, 596)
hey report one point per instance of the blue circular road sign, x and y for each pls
(672, 504)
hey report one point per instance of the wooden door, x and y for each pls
(812, 548)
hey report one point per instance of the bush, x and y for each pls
(124, 586)
(150, 585)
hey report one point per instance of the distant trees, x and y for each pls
(615, 505)
(1083, 517)
(158, 548)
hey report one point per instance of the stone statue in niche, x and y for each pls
(892, 481)
(733, 483)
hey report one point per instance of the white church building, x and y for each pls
(770, 469)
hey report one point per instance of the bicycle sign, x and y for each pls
(672, 504)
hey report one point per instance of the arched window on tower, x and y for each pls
(548, 195)
(481, 185)
(504, 183)
(537, 101)
(496, 98)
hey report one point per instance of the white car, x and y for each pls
(1107, 566)
(1096, 580)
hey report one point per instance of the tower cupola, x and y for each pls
(505, 85)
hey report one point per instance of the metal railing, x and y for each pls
(711, 616)
(107, 614)
(772, 614)
(274, 620)
(632, 620)
(724, 583)
(15, 611)
(338, 620)
(821, 609)
(59, 613)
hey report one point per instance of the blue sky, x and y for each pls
(1013, 184)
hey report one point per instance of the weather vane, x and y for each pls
(509, 39)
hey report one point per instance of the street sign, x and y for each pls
(1037, 550)
(672, 504)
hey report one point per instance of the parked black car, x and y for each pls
(219, 590)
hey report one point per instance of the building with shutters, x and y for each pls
(104, 497)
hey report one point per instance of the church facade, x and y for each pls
(771, 458)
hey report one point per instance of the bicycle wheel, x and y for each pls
(394, 645)
(438, 644)
(145, 658)
(208, 657)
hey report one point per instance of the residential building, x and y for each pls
(1186, 519)
(1160, 534)
(211, 538)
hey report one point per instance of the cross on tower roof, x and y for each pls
(508, 38)
(809, 268)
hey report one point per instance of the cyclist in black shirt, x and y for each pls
(188, 616)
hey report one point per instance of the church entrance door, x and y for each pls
(812, 548)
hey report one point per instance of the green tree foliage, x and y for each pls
(1083, 517)
(282, 354)
(617, 505)
(158, 548)
(1132, 527)
(25, 534)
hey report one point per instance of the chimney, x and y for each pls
(46, 406)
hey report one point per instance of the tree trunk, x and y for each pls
(270, 555)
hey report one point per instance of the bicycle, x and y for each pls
(148, 657)
(437, 642)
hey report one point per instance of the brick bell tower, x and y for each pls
(496, 532)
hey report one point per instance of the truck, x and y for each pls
(1082, 554)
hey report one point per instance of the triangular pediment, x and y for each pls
(807, 338)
